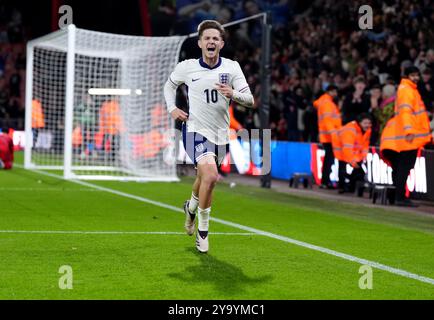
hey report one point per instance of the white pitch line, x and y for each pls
(47, 189)
(341, 255)
(120, 232)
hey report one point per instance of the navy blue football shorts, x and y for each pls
(197, 147)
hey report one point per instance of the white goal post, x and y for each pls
(95, 107)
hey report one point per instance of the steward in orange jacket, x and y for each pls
(37, 115)
(351, 147)
(233, 123)
(110, 126)
(409, 129)
(405, 133)
(38, 121)
(329, 121)
(110, 118)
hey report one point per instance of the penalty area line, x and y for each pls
(373, 264)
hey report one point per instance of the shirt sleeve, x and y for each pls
(239, 82)
(177, 77)
(241, 94)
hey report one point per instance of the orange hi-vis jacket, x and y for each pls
(410, 118)
(37, 115)
(329, 117)
(233, 123)
(351, 144)
(110, 121)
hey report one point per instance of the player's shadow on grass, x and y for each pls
(226, 278)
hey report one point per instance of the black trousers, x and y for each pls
(329, 158)
(114, 144)
(35, 136)
(402, 162)
(356, 175)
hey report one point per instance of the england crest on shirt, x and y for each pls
(224, 78)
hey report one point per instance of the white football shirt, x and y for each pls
(209, 113)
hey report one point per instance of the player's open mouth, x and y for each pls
(212, 49)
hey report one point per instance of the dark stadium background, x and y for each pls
(314, 43)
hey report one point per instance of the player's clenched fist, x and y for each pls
(178, 114)
(225, 90)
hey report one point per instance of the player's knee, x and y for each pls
(210, 178)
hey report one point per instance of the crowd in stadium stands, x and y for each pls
(12, 68)
(323, 45)
(318, 44)
(314, 44)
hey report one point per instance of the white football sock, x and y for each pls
(203, 223)
(194, 202)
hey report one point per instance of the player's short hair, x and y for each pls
(210, 24)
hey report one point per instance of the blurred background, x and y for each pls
(313, 44)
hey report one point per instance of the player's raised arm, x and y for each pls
(175, 79)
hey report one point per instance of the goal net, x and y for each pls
(95, 105)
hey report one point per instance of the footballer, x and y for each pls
(212, 82)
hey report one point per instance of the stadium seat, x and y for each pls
(298, 177)
(382, 192)
(361, 186)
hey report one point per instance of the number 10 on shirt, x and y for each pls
(213, 95)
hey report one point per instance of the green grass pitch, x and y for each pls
(160, 262)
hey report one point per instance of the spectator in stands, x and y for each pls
(351, 147)
(252, 30)
(290, 117)
(15, 29)
(375, 101)
(38, 119)
(191, 13)
(385, 110)
(110, 124)
(430, 59)
(329, 121)
(162, 20)
(15, 84)
(426, 89)
(355, 103)
(282, 129)
(85, 118)
(310, 120)
(4, 98)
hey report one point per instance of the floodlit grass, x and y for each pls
(167, 266)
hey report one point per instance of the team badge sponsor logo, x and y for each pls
(199, 147)
(224, 78)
